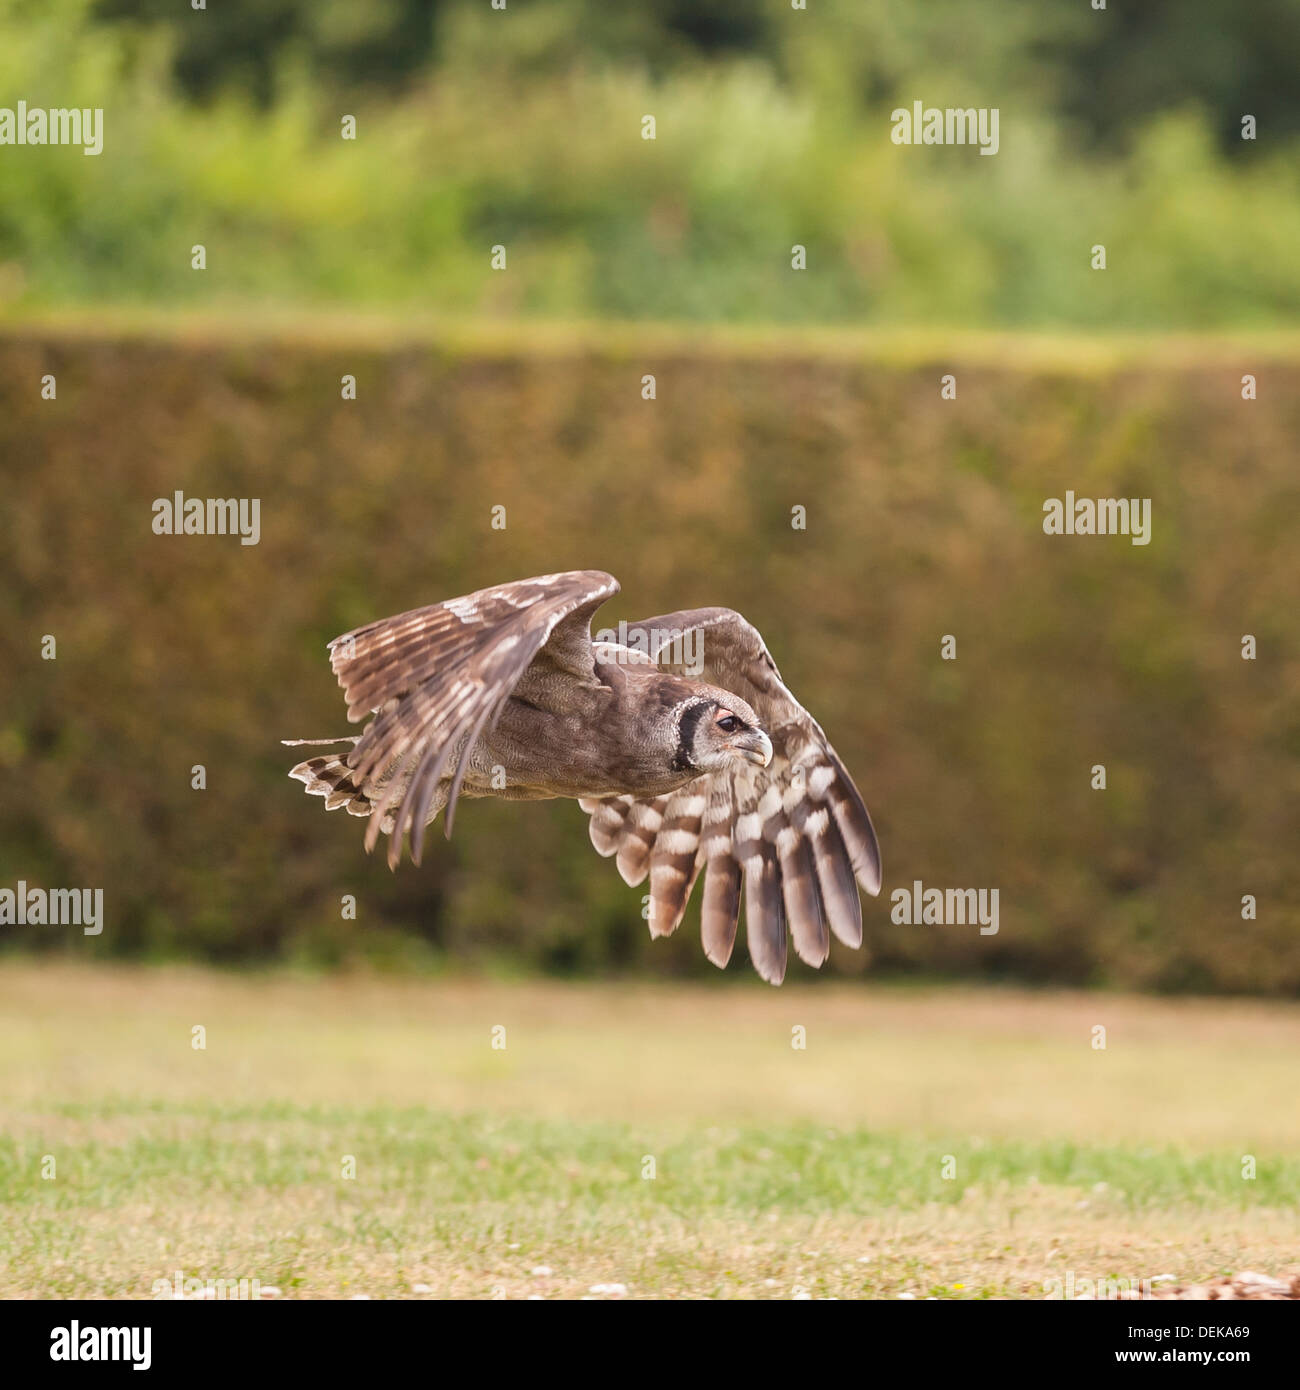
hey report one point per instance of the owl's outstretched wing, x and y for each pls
(436, 678)
(797, 831)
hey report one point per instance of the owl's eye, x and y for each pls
(728, 723)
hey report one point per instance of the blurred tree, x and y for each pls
(1143, 59)
(247, 43)
(1105, 72)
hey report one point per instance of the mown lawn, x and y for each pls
(668, 1139)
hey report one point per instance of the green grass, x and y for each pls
(775, 1170)
(471, 1204)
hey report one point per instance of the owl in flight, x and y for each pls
(678, 738)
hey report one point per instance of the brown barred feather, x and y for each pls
(765, 914)
(675, 860)
(642, 825)
(839, 889)
(855, 826)
(720, 910)
(607, 821)
(803, 906)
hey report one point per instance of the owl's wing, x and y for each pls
(435, 678)
(797, 830)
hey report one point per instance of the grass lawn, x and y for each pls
(667, 1138)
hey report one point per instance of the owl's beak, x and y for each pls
(754, 746)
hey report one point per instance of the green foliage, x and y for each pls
(523, 128)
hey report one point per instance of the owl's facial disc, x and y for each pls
(718, 735)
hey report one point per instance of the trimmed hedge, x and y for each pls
(924, 519)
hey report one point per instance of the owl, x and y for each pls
(675, 735)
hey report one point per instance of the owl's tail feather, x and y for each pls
(329, 776)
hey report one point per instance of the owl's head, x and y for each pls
(716, 730)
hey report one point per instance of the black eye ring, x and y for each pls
(729, 724)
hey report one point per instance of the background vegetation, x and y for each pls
(522, 127)
(924, 518)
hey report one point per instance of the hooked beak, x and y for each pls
(754, 746)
